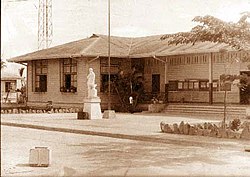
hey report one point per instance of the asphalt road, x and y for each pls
(85, 155)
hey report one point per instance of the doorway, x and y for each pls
(155, 83)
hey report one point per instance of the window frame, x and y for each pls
(173, 85)
(68, 71)
(40, 70)
(103, 88)
(192, 85)
(10, 86)
(205, 83)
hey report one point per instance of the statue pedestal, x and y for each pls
(93, 108)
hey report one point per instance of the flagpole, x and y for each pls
(109, 114)
(109, 104)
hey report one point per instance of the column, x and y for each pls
(210, 69)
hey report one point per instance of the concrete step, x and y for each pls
(198, 113)
(205, 106)
(205, 109)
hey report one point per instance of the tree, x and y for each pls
(3, 64)
(128, 85)
(21, 71)
(236, 35)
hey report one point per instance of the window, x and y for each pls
(105, 82)
(68, 75)
(180, 85)
(155, 83)
(114, 70)
(204, 85)
(173, 86)
(185, 85)
(41, 69)
(196, 85)
(192, 85)
(10, 86)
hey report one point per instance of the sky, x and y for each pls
(78, 19)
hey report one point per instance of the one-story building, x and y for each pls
(171, 73)
(10, 83)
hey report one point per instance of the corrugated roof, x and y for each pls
(123, 47)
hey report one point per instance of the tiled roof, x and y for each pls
(122, 47)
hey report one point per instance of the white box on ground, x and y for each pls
(39, 157)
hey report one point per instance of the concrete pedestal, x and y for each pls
(109, 114)
(93, 108)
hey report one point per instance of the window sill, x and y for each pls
(39, 92)
(106, 93)
(69, 93)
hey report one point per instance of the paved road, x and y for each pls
(84, 155)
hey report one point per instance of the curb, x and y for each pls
(115, 135)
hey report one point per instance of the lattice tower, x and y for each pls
(45, 27)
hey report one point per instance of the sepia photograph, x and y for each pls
(105, 88)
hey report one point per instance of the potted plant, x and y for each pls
(62, 89)
(154, 100)
(72, 89)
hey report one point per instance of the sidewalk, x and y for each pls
(143, 127)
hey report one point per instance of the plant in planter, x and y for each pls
(37, 89)
(154, 100)
(62, 89)
(72, 89)
(235, 125)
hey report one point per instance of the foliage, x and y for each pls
(212, 29)
(23, 90)
(236, 35)
(23, 96)
(243, 78)
(3, 64)
(126, 86)
(21, 72)
(235, 124)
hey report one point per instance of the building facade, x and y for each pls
(187, 74)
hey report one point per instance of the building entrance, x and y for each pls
(155, 83)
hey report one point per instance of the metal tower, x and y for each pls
(45, 28)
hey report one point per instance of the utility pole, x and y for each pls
(45, 27)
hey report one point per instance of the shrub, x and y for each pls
(235, 124)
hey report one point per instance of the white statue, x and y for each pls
(92, 92)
